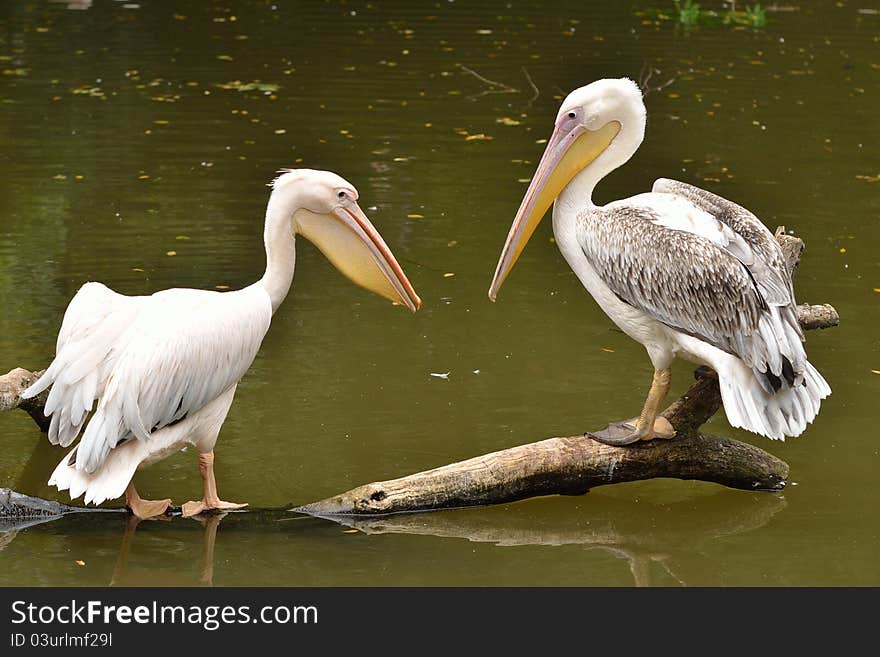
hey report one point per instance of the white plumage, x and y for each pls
(164, 367)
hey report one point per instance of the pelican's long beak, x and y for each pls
(348, 240)
(567, 153)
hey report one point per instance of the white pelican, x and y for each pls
(164, 368)
(681, 270)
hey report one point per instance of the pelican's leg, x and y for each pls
(648, 425)
(144, 508)
(211, 500)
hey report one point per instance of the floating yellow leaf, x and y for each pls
(448, 274)
(87, 90)
(843, 249)
(136, 269)
(350, 531)
(506, 120)
(478, 137)
(80, 562)
(255, 85)
(222, 287)
(484, 31)
(413, 215)
(606, 349)
(875, 371)
(226, 58)
(280, 131)
(171, 253)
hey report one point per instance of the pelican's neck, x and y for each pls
(280, 252)
(578, 194)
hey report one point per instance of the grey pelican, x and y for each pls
(164, 368)
(681, 270)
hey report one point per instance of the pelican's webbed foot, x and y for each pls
(190, 509)
(142, 508)
(628, 432)
(648, 426)
(616, 433)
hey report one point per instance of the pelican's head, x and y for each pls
(587, 124)
(325, 211)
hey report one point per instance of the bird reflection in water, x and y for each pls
(124, 576)
(676, 536)
(662, 543)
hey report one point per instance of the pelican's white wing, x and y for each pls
(151, 361)
(94, 320)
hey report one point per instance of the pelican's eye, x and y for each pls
(572, 115)
(341, 194)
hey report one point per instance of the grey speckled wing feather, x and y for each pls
(680, 279)
(768, 264)
(698, 287)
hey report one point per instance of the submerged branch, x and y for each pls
(506, 88)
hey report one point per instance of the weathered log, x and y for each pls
(560, 466)
(821, 316)
(12, 384)
(792, 248)
(18, 511)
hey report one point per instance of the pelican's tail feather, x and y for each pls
(785, 412)
(106, 483)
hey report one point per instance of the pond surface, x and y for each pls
(137, 142)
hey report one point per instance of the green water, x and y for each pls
(132, 131)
